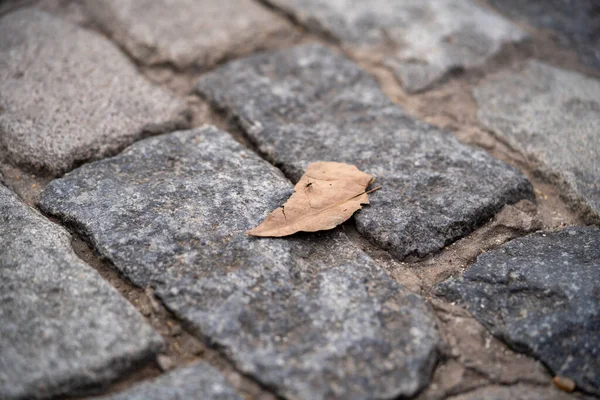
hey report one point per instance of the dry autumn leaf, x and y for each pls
(327, 195)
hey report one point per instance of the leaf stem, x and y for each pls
(372, 190)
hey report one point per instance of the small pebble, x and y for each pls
(564, 383)
(164, 362)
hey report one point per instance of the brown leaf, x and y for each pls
(327, 195)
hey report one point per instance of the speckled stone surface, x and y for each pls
(539, 293)
(62, 327)
(197, 381)
(311, 315)
(420, 40)
(189, 33)
(554, 116)
(516, 392)
(576, 23)
(68, 95)
(310, 104)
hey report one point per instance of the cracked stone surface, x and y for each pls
(189, 33)
(62, 327)
(553, 115)
(68, 95)
(539, 294)
(309, 104)
(420, 40)
(198, 381)
(311, 316)
(575, 22)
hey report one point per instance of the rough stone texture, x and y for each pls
(517, 392)
(420, 40)
(576, 22)
(540, 294)
(554, 116)
(68, 95)
(189, 33)
(62, 327)
(198, 381)
(9, 6)
(309, 104)
(310, 315)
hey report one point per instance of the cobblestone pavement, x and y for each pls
(139, 140)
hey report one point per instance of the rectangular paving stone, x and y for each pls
(539, 293)
(553, 116)
(310, 104)
(63, 328)
(197, 381)
(419, 40)
(189, 33)
(68, 95)
(310, 316)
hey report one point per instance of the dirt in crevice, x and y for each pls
(472, 358)
(179, 80)
(181, 346)
(204, 113)
(420, 275)
(314, 32)
(26, 185)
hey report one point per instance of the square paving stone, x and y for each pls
(68, 95)
(189, 33)
(63, 328)
(420, 40)
(310, 104)
(310, 316)
(552, 115)
(198, 381)
(540, 293)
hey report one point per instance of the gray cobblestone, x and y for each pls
(206, 32)
(62, 327)
(552, 115)
(197, 381)
(67, 95)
